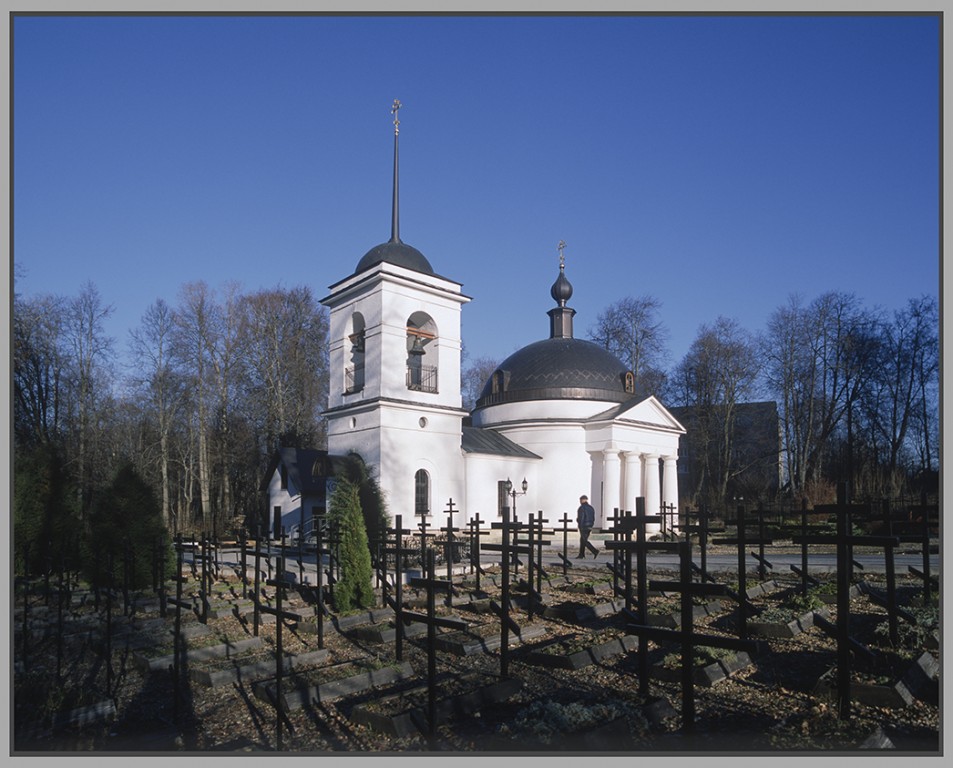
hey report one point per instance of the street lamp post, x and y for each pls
(512, 493)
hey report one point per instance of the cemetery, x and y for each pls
(507, 645)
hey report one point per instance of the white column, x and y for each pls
(611, 481)
(670, 483)
(632, 470)
(653, 499)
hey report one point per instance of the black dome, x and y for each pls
(395, 252)
(557, 369)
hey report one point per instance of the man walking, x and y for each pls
(585, 519)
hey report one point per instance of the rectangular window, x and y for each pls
(502, 497)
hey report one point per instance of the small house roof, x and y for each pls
(489, 441)
(308, 468)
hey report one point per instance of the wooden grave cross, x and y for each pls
(534, 568)
(506, 550)
(914, 531)
(685, 635)
(424, 534)
(741, 540)
(703, 528)
(396, 602)
(669, 520)
(280, 584)
(539, 543)
(623, 546)
(475, 532)
(256, 596)
(320, 610)
(377, 542)
(243, 560)
(449, 529)
(802, 531)
(845, 541)
(616, 567)
(929, 516)
(431, 584)
(177, 639)
(564, 554)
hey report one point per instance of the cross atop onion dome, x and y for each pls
(562, 288)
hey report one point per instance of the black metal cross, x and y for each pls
(396, 602)
(475, 532)
(742, 540)
(280, 584)
(563, 555)
(685, 634)
(432, 584)
(507, 550)
(703, 528)
(449, 529)
(623, 547)
(844, 542)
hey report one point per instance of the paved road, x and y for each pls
(818, 563)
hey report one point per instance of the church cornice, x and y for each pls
(383, 272)
(585, 423)
(366, 405)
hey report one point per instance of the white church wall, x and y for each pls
(413, 438)
(565, 471)
(498, 416)
(483, 473)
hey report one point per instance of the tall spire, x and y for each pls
(395, 213)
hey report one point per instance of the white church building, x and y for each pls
(561, 413)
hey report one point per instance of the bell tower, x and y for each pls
(395, 358)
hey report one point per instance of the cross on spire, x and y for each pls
(393, 111)
(395, 205)
(562, 258)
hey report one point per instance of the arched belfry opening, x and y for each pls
(354, 371)
(422, 347)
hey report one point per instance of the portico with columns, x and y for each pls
(633, 449)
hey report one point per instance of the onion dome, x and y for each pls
(560, 367)
(562, 288)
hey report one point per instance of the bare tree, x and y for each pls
(286, 333)
(630, 329)
(473, 377)
(719, 373)
(906, 370)
(227, 357)
(194, 329)
(811, 355)
(151, 347)
(90, 353)
(38, 368)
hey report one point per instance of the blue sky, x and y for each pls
(719, 163)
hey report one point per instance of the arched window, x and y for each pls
(421, 493)
(629, 382)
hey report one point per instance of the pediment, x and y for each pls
(646, 412)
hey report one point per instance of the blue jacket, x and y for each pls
(586, 516)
